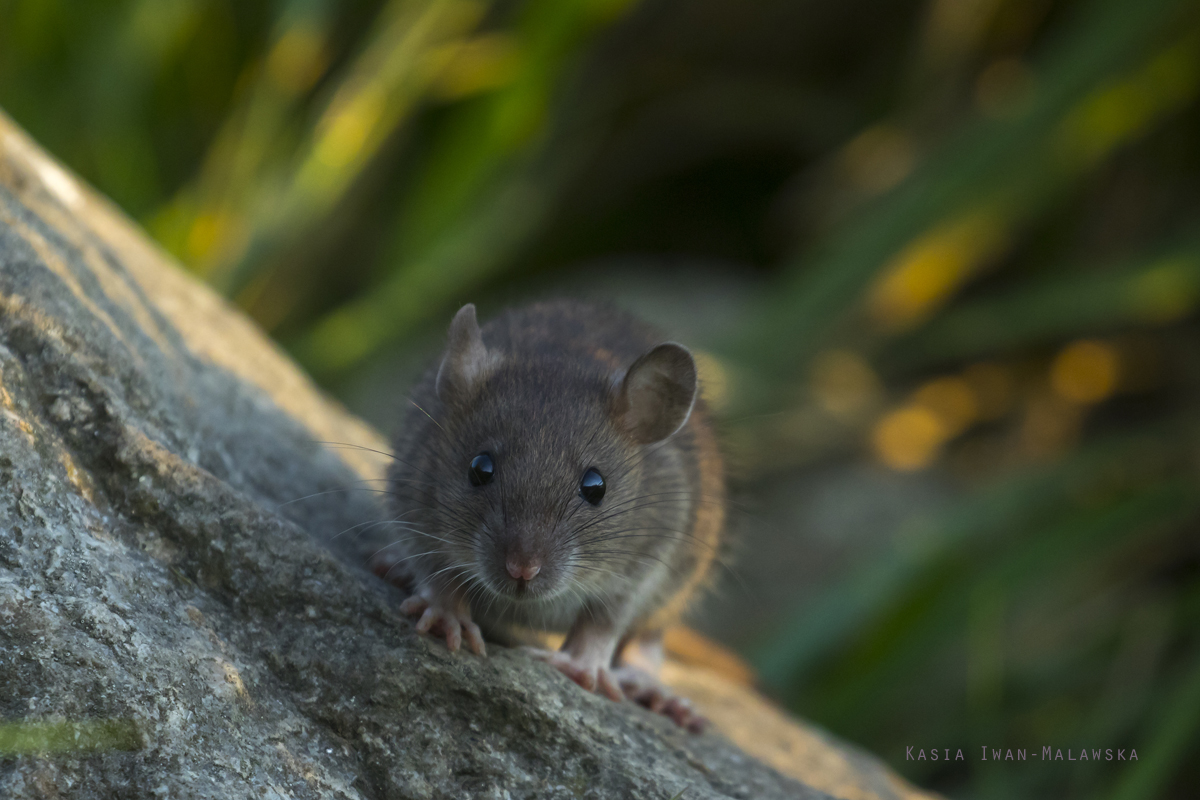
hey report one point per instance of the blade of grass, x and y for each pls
(823, 624)
(1170, 740)
(497, 166)
(269, 177)
(929, 612)
(1005, 170)
(1151, 292)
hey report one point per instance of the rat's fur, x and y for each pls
(544, 391)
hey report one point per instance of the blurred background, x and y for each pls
(940, 260)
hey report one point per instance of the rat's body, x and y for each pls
(558, 473)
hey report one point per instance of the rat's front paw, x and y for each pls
(646, 690)
(593, 677)
(450, 620)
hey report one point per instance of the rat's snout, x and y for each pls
(525, 564)
(523, 569)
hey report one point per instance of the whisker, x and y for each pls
(369, 524)
(333, 491)
(426, 413)
(392, 456)
(638, 556)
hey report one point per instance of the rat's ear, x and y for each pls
(655, 397)
(467, 361)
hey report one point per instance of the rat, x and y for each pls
(557, 472)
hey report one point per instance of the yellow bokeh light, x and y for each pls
(844, 384)
(297, 59)
(908, 438)
(951, 400)
(954, 28)
(205, 233)
(476, 65)
(1121, 110)
(1085, 371)
(345, 132)
(929, 270)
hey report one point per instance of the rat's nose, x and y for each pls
(523, 570)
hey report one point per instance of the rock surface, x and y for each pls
(171, 624)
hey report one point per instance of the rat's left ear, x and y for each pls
(655, 397)
(467, 362)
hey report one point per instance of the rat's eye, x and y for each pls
(591, 488)
(482, 469)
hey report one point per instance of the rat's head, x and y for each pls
(538, 463)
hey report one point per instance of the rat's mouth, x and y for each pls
(538, 590)
(526, 591)
(521, 584)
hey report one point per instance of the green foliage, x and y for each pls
(967, 235)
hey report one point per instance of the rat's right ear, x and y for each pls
(655, 396)
(468, 362)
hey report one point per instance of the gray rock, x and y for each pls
(171, 623)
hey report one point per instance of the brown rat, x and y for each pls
(558, 472)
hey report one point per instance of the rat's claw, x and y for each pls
(646, 690)
(474, 637)
(446, 622)
(625, 682)
(653, 697)
(450, 624)
(680, 710)
(607, 684)
(592, 677)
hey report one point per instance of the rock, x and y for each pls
(171, 621)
